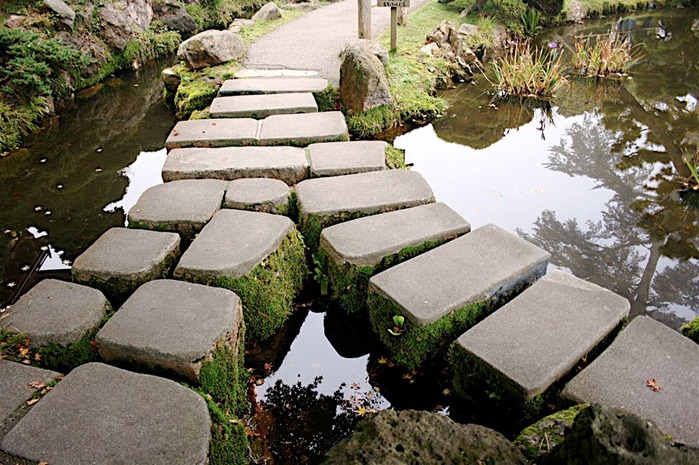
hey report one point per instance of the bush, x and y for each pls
(608, 54)
(524, 72)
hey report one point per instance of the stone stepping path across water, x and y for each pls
(248, 73)
(183, 206)
(259, 194)
(171, 328)
(288, 164)
(339, 158)
(538, 338)
(355, 250)
(326, 201)
(18, 383)
(443, 292)
(102, 414)
(122, 259)
(296, 130)
(645, 354)
(261, 106)
(272, 85)
(57, 312)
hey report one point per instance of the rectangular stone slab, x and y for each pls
(261, 106)
(537, 338)
(645, 350)
(303, 129)
(272, 85)
(14, 386)
(288, 164)
(213, 133)
(339, 158)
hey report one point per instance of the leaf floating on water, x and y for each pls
(60, 186)
(38, 208)
(43, 160)
(98, 170)
(653, 385)
(25, 268)
(99, 149)
(47, 213)
(11, 285)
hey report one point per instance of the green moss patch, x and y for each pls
(198, 88)
(540, 438)
(395, 158)
(691, 330)
(412, 344)
(312, 225)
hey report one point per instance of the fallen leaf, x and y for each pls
(25, 268)
(27, 362)
(653, 385)
(175, 132)
(43, 463)
(37, 385)
(382, 360)
(11, 285)
(361, 411)
(32, 401)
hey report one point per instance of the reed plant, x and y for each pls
(526, 71)
(604, 55)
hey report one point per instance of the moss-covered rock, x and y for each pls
(691, 330)
(540, 438)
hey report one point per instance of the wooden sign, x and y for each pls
(393, 3)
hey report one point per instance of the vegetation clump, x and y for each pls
(540, 438)
(691, 330)
(604, 55)
(527, 72)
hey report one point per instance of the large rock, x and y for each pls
(18, 383)
(412, 436)
(210, 48)
(363, 83)
(121, 19)
(607, 436)
(269, 12)
(174, 15)
(65, 14)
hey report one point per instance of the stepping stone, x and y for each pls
(339, 158)
(354, 251)
(122, 259)
(327, 201)
(541, 336)
(303, 129)
(172, 327)
(258, 256)
(182, 206)
(275, 73)
(259, 194)
(219, 132)
(288, 164)
(272, 86)
(16, 381)
(102, 414)
(621, 377)
(261, 106)
(443, 292)
(58, 312)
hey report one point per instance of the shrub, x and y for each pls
(601, 56)
(531, 22)
(525, 72)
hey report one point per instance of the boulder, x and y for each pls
(447, 43)
(210, 48)
(268, 12)
(239, 23)
(363, 82)
(171, 79)
(174, 15)
(122, 18)
(14, 21)
(467, 30)
(413, 436)
(603, 435)
(65, 14)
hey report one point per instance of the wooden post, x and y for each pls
(364, 19)
(394, 28)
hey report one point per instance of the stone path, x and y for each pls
(261, 106)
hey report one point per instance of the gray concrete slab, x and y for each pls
(213, 133)
(16, 382)
(101, 414)
(272, 85)
(645, 350)
(274, 73)
(476, 267)
(183, 206)
(171, 327)
(339, 158)
(122, 259)
(57, 312)
(261, 106)
(367, 241)
(539, 337)
(258, 194)
(303, 129)
(232, 244)
(288, 164)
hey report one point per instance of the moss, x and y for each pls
(312, 225)
(198, 88)
(691, 330)
(540, 438)
(395, 158)
(329, 99)
(419, 343)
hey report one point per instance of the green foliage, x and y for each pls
(17, 120)
(395, 158)
(218, 14)
(329, 99)
(64, 359)
(605, 55)
(531, 22)
(198, 88)
(540, 438)
(229, 439)
(367, 124)
(524, 72)
(508, 12)
(691, 330)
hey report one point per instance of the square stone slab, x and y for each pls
(258, 194)
(537, 338)
(180, 206)
(15, 380)
(303, 129)
(261, 106)
(645, 350)
(272, 85)
(57, 312)
(339, 158)
(288, 164)
(213, 133)
(171, 327)
(122, 259)
(101, 414)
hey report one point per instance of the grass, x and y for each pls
(527, 72)
(691, 330)
(604, 55)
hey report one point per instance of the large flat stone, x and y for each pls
(539, 337)
(57, 312)
(102, 414)
(171, 327)
(261, 106)
(288, 164)
(122, 259)
(274, 73)
(15, 386)
(258, 194)
(180, 206)
(303, 129)
(272, 85)
(232, 244)
(645, 350)
(218, 132)
(339, 158)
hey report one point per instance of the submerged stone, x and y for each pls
(340, 158)
(17, 384)
(261, 106)
(259, 194)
